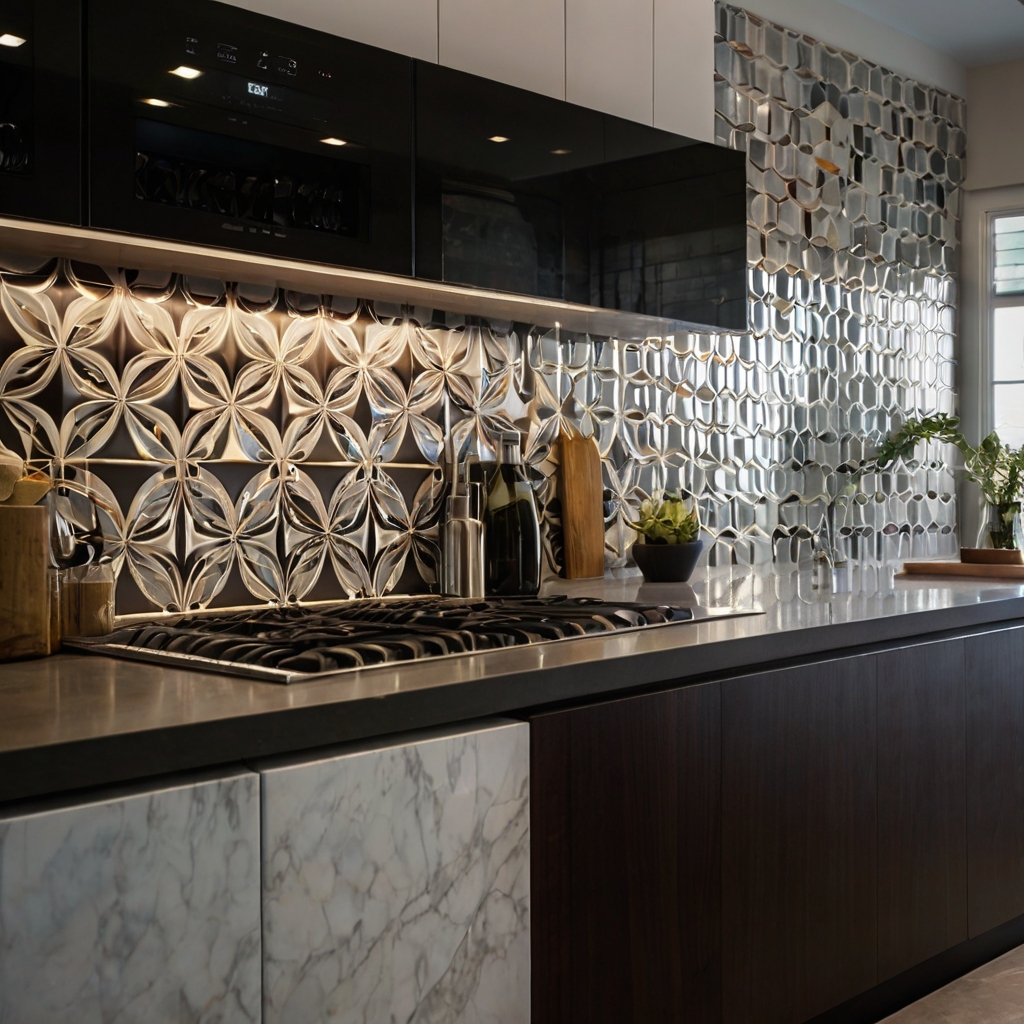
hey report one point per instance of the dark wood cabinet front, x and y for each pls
(995, 778)
(626, 882)
(798, 840)
(761, 850)
(922, 837)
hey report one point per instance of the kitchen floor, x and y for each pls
(993, 994)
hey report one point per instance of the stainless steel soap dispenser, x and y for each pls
(462, 544)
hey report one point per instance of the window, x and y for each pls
(1007, 353)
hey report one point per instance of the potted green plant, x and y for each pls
(669, 543)
(996, 468)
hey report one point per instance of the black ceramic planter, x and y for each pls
(667, 563)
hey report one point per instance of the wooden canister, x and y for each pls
(24, 586)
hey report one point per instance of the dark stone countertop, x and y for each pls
(76, 720)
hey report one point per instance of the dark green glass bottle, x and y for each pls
(512, 526)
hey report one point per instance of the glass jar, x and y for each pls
(998, 527)
(87, 600)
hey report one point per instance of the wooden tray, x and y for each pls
(998, 572)
(991, 556)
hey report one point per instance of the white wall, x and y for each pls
(847, 29)
(995, 126)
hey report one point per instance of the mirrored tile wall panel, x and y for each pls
(223, 443)
(854, 189)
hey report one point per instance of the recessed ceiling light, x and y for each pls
(10, 39)
(334, 142)
(184, 71)
(497, 138)
(560, 152)
(157, 103)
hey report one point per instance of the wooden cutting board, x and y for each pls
(992, 572)
(580, 490)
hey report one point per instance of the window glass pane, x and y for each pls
(1008, 344)
(1008, 225)
(1009, 413)
(1010, 240)
(1008, 270)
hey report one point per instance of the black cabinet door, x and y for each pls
(922, 838)
(524, 193)
(995, 778)
(799, 828)
(40, 110)
(216, 125)
(625, 875)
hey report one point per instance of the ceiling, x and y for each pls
(972, 32)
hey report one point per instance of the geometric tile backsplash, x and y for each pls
(854, 189)
(222, 443)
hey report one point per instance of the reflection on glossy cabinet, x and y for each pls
(684, 68)
(404, 26)
(521, 43)
(609, 56)
(995, 778)
(922, 838)
(140, 907)
(626, 864)
(799, 829)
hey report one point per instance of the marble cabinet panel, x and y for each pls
(396, 883)
(142, 908)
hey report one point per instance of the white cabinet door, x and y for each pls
(134, 909)
(684, 67)
(405, 26)
(396, 883)
(520, 43)
(609, 56)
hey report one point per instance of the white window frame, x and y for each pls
(994, 302)
(974, 339)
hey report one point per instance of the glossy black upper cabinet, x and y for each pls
(40, 110)
(211, 124)
(523, 193)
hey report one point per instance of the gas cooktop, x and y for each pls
(291, 644)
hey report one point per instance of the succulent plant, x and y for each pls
(665, 519)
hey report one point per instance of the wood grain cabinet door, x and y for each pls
(995, 778)
(626, 861)
(922, 837)
(799, 830)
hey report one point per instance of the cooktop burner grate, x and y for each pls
(295, 643)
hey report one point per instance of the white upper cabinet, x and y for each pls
(684, 67)
(646, 60)
(609, 56)
(404, 26)
(520, 43)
